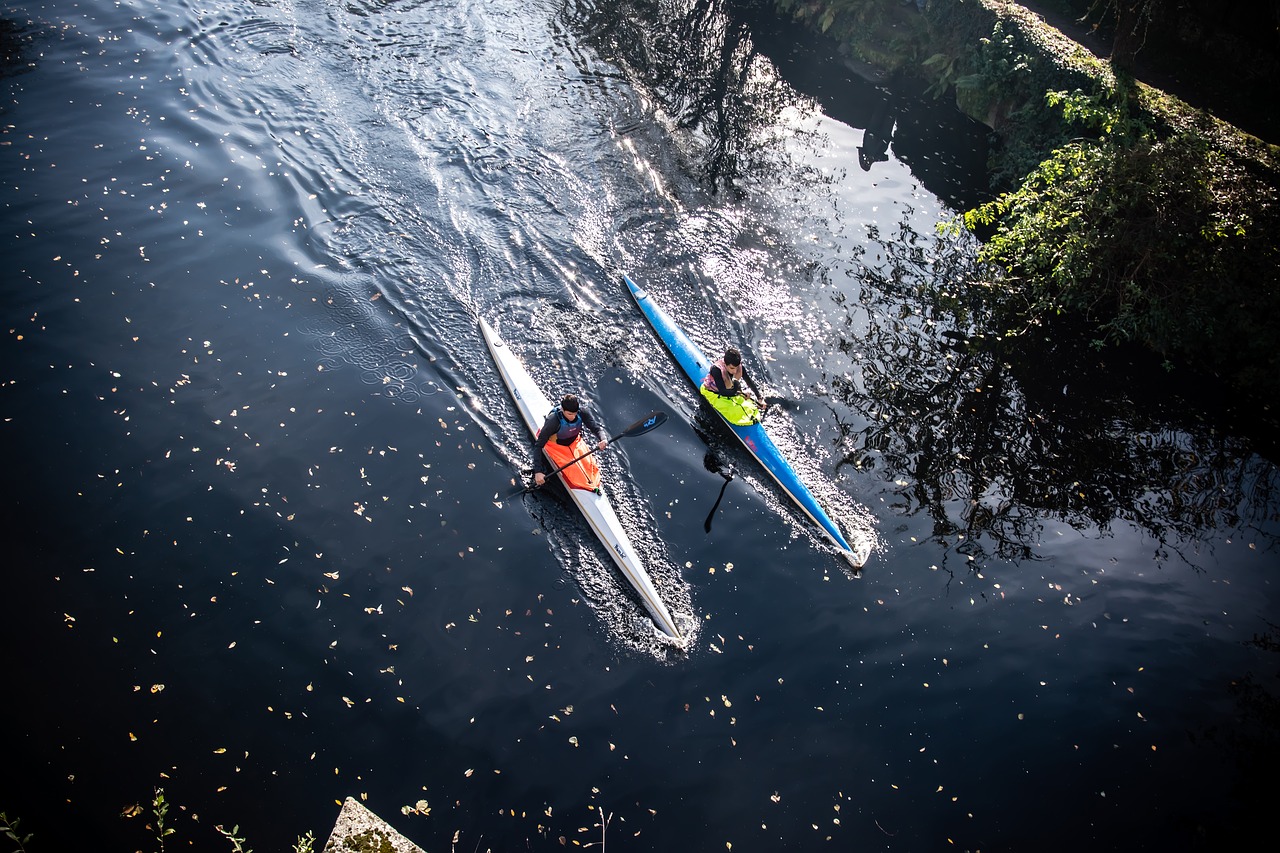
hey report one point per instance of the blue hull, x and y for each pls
(695, 365)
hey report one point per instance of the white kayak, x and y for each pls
(533, 406)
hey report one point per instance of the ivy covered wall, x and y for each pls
(1120, 205)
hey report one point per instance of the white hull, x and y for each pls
(533, 406)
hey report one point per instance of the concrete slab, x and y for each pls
(359, 830)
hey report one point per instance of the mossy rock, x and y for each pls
(359, 830)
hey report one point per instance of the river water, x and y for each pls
(261, 548)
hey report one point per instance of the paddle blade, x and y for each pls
(651, 421)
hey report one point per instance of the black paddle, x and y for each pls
(651, 421)
(712, 464)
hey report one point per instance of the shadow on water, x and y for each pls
(725, 71)
(997, 437)
(946, 150)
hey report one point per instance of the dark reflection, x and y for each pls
(946, 150)
(14, 43)
(702, 65)
(715, 66)
(996, 436)
(1250, 738)
(876, 137)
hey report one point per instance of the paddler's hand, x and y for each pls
(602, 445)
(539, 478)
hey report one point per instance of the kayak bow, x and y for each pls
(753, 436)
(533, 406)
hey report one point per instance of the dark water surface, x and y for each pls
(260, 551)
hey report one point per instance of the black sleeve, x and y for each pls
(751, 383)
(549, 428)
(589, 422)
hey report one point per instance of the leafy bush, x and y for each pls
(1166, 241)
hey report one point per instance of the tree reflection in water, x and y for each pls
(700, 63)
(996, 435)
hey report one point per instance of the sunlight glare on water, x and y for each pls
(268, 548)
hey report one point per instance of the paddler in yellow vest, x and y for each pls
(723, 386)
(564, 423)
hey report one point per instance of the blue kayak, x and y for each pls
(695, 365)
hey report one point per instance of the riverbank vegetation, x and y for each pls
(1117, 204)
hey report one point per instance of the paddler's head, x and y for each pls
(733, 360)
(569, 405)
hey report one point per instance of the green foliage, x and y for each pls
(1168, 242)
(160, 808)
(9, 826)
(1125, 208)
(943, 70)
(1003, 68)
(237, 843)
(160, 811)
(882, 32)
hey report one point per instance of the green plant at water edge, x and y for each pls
(305, 843)
(237, 843)
(160, 808)
(1161, 239)
(9, 826)
(1003, 68)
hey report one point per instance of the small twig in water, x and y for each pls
(604, 825)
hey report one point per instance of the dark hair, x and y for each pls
(732, 356)
(569, 403)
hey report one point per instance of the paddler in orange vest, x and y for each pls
(723, 386)
(564, 423)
